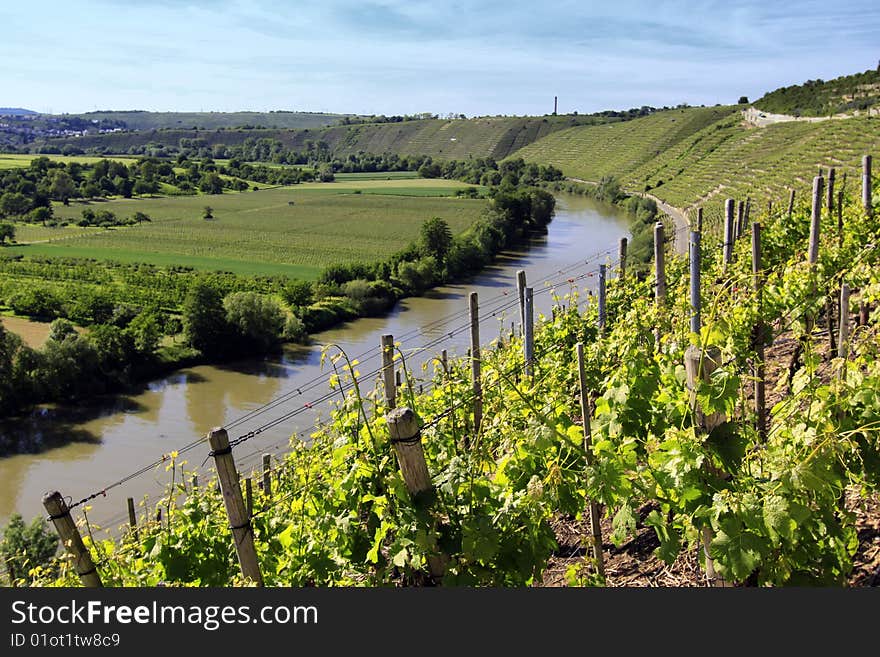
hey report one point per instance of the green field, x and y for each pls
(20, 161)
(294, 231)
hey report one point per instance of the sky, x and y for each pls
(493, 57)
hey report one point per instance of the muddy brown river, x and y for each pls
(92, 446)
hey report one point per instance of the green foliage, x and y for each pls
(823, 98)
(435, 239)
(257, 320)
(7, 232)
(204, 319)
(26, 547)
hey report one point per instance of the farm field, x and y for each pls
(22, 160)
(294, 231)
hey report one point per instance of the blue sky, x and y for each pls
(395, 57)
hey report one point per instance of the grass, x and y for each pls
(295, 231)
(22, 160)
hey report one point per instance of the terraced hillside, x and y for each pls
(591, 152)
(452, 139)
(698, 162)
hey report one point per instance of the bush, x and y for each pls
(26, 546)
(257, 319)
(35, 302)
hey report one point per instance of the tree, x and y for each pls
(257, 318)
(7, 232)
(211, 183)
(208, 212)
(435, 238)
(13, 204)
(26, 546)
(62, 187)
(204, 319)
(743, 100)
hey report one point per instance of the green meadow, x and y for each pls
(294, 231)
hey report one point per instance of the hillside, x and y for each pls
(140, 120)
(698, 162)
(446, 139)
(847, 93)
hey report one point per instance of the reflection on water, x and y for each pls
(102, 443)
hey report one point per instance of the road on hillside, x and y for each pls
(679, 219)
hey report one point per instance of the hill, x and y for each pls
(848, 93)
(696, 160)
(16, 111)
(445, 139)
(141, 120)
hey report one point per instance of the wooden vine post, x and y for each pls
(728, 233)
(699, 220)
(829, 196)
(740, 216)
(406, 439)
(790, 202)
(236, 510)
(529, 341)
(622, 257)
(602, 275)
(694, 261)
(476, 378)
(387, 344)
(132, 518)
(59, 514)
(815, 218)
(595, 515)
(867, 201)
(521, 291)
(659, 263)
(758, 334)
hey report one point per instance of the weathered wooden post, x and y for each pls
(863, 313)
(758, 334)
(387, 344)
(829, 197)
(867, 201)
(529, 341)
(602, 274)
(840, 218)
(239, 520)
(818, 183)
(699, 220)
(521, 291)
(476, 378)
(843, 338)
(790, 202)
(622, 257)
(267, 475)
(728, 233)
(70, 537)
(595, 526)
(694, 261)
(740, 216)
(249, 497)
(659, 263)
(746, 214)
(132, 519)
(406, 439)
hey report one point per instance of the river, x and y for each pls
(95, 445)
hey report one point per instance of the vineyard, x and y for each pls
(703, 158)
(673, 419)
